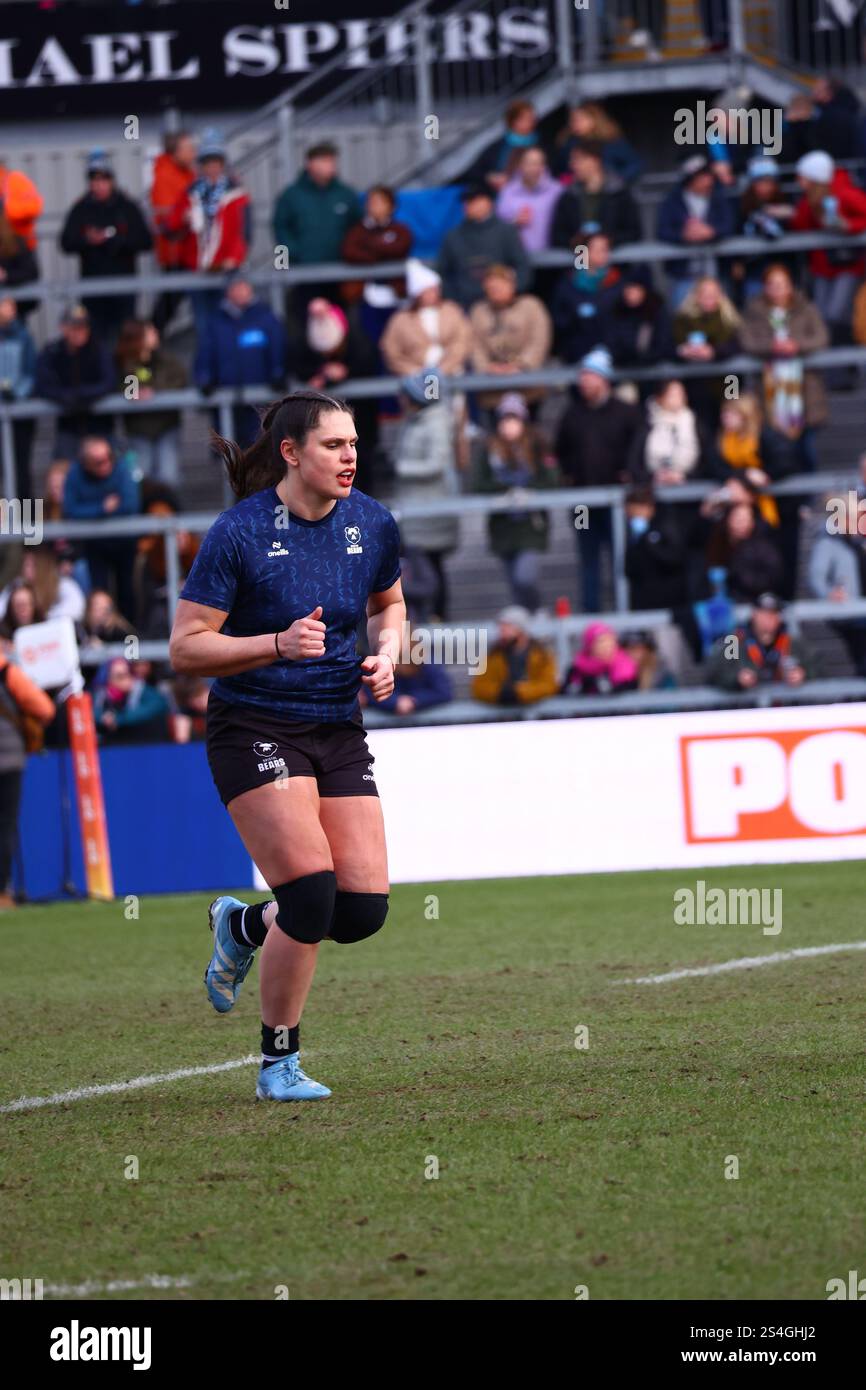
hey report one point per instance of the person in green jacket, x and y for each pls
(515, 460)
(311, 218)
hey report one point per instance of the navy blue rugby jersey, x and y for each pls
(266, 576)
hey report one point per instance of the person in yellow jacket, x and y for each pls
(22, 203)
(520, 670)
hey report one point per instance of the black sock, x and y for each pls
(278, 1043)
(253, 931)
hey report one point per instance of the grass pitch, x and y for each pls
(450, 1039)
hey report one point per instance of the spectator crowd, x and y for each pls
(481, 304)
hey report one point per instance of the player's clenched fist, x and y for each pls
(305, 638)
(379, 677)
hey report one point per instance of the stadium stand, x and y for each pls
(610, 223)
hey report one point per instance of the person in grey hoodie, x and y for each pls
(482, 239)
(425, 468)
(837, 569)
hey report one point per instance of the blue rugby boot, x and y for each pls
(285, 1081)
(230, 962)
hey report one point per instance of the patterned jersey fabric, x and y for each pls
(266, 568)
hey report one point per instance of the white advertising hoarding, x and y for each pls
(643, 792)
(571, 796)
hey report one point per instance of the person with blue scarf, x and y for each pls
(585, 299)
(498, 162)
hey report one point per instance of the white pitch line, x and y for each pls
(746, 963)
(146, 1281)
(117, 1087)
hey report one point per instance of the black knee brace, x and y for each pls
(357, 915)
(306, 906)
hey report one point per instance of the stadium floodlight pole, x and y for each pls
(423, 82)
(7, 445)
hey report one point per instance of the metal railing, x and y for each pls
(693, 697)
(549, 500)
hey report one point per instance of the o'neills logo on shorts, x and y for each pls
(264, 749)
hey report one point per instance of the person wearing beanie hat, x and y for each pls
(107, 231)
(512, 403)
(332, 350)
(764, 653)
(815, 167)
(520, 669)
(762, 167)
(480, 240)
(515, 615)
(766, 212)
(599, 362)
(594, 442)
(327, 327)
(425, 468)
(21, 202)
(515, 461)
(423, 387)
(98, 162)
(600, 667)
(420, 277)
(212, 146)
(214, 214)
(429, 332)
(695, 213)
(832, 203)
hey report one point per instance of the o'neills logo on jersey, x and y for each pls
(277, 550)
(353, 536)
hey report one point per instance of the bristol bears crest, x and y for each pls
(353, 537)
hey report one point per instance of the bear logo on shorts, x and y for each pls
(264, 749)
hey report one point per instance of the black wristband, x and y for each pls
(277, 645)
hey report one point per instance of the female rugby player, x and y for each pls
(271, 608)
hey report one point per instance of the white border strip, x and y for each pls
(117, 1087)
(746, 963)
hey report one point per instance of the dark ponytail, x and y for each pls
(262, 465)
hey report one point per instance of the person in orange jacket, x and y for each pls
(21, 201)
(173, 172)
(520, 670)
(18, 696)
